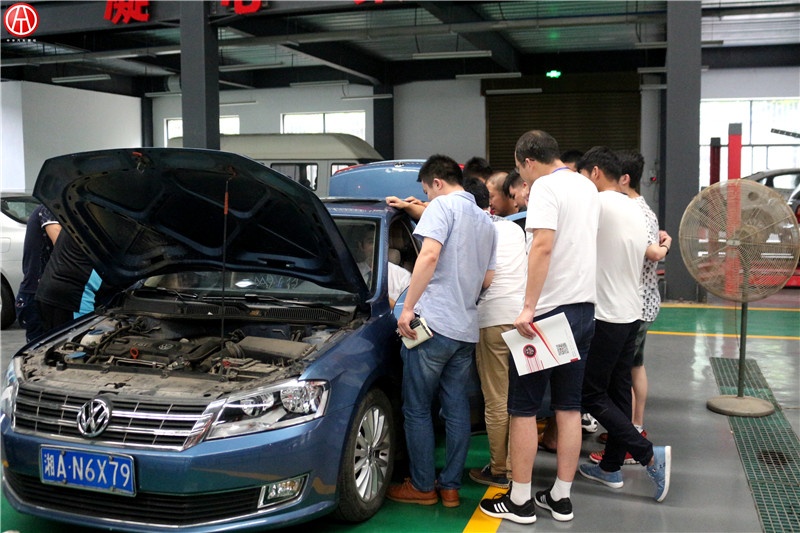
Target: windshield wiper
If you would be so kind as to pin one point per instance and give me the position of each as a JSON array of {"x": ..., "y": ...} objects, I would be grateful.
[
  {"x": 164, "y": 290},
  {"x": 262, "y": 298}
]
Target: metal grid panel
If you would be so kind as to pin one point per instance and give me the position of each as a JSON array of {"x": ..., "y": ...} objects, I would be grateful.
[{"x": 768, "y": 447}]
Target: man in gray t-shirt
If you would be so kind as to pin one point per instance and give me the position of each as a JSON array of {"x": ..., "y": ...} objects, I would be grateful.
[{"x": 456, "y": 261}]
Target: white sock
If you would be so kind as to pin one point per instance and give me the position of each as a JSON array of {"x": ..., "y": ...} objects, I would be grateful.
[
  {"x": 560, "y": 490},
  {"x": 639, "y": 428},
  {"x": 520, "y": 493}
]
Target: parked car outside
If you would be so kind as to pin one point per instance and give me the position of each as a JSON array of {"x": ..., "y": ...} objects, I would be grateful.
[
  {"x": 247, "y": 377},
  {"x": 783, "y": 180},
  {"x": 15, "y": 208}
]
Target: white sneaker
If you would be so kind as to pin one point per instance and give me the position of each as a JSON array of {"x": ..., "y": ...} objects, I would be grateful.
[{"x": 588, "y": 423}]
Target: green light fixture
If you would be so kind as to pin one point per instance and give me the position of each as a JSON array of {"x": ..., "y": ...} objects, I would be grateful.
[{"x": 554, "y": 74}]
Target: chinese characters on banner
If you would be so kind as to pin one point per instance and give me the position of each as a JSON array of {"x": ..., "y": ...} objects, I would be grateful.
[{"x": 127, "y": 10}]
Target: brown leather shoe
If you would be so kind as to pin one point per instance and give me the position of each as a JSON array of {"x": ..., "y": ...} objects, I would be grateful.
[
  {"x": 449, "y": 497},
  {"x": 406, "y": 493}
]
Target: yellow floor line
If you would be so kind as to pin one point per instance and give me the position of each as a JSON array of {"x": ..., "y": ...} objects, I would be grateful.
[
  {"x": 483, "y": 523},
  {"x": 706, "y": 306},
  {"x": 732, "y": 335}
]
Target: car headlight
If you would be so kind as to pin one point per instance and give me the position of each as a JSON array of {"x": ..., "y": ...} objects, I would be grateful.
[
  {"x": 267, "y": 408},
  {"x": 10, "y": 386}
]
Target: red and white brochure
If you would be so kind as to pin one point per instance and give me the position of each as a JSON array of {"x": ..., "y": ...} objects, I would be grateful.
[{"x": 552, "y": 345}]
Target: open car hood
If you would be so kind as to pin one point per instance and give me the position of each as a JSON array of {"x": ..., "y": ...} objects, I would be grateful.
[{"x": 146, "y": 211}]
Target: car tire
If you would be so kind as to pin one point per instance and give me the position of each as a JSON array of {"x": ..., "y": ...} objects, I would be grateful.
[
  {"x": 8, "y": 314},
  {"x": 368, "y": 460}
]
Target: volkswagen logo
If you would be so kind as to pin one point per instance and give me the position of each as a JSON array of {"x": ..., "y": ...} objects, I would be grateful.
[{"x": 93, "y": 418}]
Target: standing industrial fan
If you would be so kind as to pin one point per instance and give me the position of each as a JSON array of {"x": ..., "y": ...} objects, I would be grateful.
[{"x": 740, "y": 240}]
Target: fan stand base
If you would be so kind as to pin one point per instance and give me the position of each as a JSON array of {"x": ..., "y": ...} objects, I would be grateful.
[{"x": 740, "y": 406}]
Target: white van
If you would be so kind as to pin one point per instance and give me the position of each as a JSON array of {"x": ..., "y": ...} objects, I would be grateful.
[{"x": 309, "y": 158}]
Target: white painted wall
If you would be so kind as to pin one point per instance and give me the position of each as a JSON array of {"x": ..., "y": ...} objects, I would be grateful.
[
  {"x": 62, "y": 120},
  {"x": 751, "y": 83},
  {"x": 265, "y": 115},
  {"x": 445, "y": 117},
  {"x": 12, "y": 151}
]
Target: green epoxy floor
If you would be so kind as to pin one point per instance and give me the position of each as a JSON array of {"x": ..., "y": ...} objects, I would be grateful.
[{"x": 709, "y": 490}]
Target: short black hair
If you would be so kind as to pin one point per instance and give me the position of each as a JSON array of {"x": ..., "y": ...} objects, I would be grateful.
[
  {"x": 477, "y": 167},
  {"x": 571, "y": 156},
  {"x": 478, "y": 189},
  {"x": 537, "y": 145},
  {"x": 631, "y": 163},
  {"x": 512, "y": 180},
  {"x": 603, "y": 158},
  {"x": 441, "y": 167}
]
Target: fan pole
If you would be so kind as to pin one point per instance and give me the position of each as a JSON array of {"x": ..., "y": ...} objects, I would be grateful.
[
  {"x": 741, "y": 405},
  {"x": 742, "y": 351}
]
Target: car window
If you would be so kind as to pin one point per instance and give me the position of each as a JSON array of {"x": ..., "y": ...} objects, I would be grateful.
[
  {"x": 363, "y": 241},
  {"x": 785, "y": 183},
  {"x": 303, "y": 173},
  {"x": 19, "y": 208}
]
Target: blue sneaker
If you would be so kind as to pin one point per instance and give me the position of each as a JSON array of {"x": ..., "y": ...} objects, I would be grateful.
[
  {"x": 610, "y": 479},
  {"x": 660, "y": 470}
]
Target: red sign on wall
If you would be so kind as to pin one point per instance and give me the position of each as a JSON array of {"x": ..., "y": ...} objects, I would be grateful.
[
  {"x": 126, "y": 11},
  {"x": 242, "y": 7}
]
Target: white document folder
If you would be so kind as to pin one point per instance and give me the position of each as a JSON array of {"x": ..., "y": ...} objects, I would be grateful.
[{"x": 553, "y": 344}]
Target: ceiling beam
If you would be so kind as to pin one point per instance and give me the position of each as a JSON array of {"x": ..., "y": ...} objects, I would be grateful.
[{"x": 452, "y": 13}]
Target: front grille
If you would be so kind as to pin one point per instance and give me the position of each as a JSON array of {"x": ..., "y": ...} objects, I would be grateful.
[
  {"x": 134, "y": 422},
  {"x": 144, "y": 508}
]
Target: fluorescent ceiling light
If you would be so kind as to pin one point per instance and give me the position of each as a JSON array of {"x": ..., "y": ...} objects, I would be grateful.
[
  {"x": 654, "y": 44},
  {"x": 369, "y": 97},
  {"x": 663, "y": 44},
  {"x": 318, "y": 83},
  {"x": 489, "y": 76},
  {"x": 234, "y": 84},
  {"x": 162, "y": 93},
  {"x": 247, "y": 102},
  {"x": 452, "y": 55},
  {"x": 78, "y": 79},
  {"x": 651, "y": 70},
  {"x": 524, "y": 90},
  {"x": 249, "y": 66}
]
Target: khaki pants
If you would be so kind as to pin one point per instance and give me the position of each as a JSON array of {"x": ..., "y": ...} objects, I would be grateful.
[{"x": 491, "y": 356}]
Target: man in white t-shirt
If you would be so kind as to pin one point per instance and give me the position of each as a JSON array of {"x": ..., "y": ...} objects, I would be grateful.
[
  {"x": 498, "y": 306},
  {"x": 563, "y": 212},
  {"x": 621, "y": 245},
  {"x": 398, "y": 277}
]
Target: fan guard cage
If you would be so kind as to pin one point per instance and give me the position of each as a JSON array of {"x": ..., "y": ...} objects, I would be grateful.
[{"x": 740, "y": 240}]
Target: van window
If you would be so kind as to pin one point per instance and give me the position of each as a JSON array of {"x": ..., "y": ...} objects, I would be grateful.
[
  {"x": 336, "y": 167},
  {"x": 303, "y": 173}
]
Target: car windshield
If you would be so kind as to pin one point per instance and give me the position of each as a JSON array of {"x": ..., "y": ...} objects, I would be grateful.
[
  {"x": 251, "y": 286},
  {"x": 359, "y": 234}
]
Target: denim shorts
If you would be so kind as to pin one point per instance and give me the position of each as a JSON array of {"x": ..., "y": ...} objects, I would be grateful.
[
  {"x": 638, "y": 357},
  {"x": 525, "y": 392}
]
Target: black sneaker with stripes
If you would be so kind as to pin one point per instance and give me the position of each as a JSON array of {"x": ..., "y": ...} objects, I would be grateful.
[
  {"x": 561, "y": 509},
  {"x": 501, "y": 506}
]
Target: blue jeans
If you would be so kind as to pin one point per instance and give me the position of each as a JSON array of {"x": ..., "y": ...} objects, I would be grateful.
[{"x": 441, "y": 365}]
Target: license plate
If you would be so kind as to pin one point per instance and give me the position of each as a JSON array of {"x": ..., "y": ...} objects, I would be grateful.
[{"x": 101, "y": 472}]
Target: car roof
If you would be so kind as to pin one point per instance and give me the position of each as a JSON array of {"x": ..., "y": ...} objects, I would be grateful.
[{"x": 379, "y": 180}]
